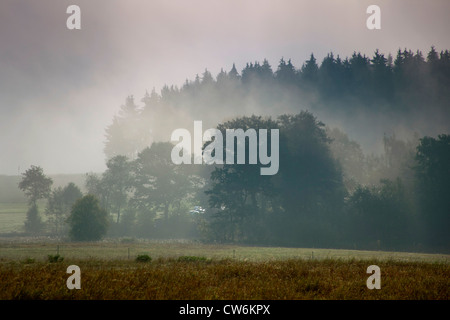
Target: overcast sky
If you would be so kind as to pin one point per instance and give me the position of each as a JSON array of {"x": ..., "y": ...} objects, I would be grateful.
[{"x": 60, "y": 88}]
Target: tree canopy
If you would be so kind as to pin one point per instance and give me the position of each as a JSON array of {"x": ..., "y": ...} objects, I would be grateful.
[
  {"x": 35, "y": 184},
  {"x": 87, "y": 220}
]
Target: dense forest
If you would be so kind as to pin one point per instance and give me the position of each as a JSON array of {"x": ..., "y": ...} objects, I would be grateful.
[
  {"x": 363, "y": 96},
  {"x": 333, "y": 189}
]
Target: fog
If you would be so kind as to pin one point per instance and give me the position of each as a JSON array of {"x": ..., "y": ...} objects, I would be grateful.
[{"x": 60, "y": 88}]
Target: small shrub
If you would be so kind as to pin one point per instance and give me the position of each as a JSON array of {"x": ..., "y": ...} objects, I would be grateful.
[
  {"x": 28, "y": 261},
  {"x": 143, "y": 258},
  {"x": 54, "y": 258},
  {"x": 313, "y": 286}
]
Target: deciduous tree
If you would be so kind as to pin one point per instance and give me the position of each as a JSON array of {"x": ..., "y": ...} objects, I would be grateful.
[{"x": 87, "y": 220}]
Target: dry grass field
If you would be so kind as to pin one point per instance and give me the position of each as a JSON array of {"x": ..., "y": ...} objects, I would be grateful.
[{"x": 178, "y": 272}]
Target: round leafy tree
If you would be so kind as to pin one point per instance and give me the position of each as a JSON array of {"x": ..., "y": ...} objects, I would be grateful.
[{"x": 87, "y": 220}]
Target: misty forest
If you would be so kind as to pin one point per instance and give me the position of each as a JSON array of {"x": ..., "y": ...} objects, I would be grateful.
[{"x": 364, "y": 160}]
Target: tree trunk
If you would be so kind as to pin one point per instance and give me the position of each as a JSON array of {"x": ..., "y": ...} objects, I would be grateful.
[
  {"x": 118, "y": 214},
  {"x": 166, "y": 212}
]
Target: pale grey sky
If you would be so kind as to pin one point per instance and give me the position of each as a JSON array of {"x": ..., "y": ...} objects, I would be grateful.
[{"x": 60, "y": 88}]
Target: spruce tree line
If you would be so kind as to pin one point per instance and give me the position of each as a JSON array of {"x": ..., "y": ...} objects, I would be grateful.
[{"x": 409, "y": 89}]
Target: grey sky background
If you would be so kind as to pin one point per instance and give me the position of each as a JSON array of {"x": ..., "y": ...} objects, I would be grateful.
[{"x": 60, "y": 88}]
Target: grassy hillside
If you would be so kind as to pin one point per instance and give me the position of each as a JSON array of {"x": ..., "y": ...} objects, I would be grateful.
[
  {"x": 16, "y": 250},
  {"x": 12, "y": 217}
]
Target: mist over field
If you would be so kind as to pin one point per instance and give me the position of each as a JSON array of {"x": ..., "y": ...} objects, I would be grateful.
[
  {"x": 60, "y": 88},
  {"x": 363, "y": 117}
]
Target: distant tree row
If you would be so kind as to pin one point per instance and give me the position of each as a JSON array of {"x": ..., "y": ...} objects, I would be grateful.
[
  {"x": 327, "y": 193},
  {"x": 311, "y": 202}
]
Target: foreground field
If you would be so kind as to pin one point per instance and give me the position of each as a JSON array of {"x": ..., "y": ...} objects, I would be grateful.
[
  {"x": 225, "y": 279},
  {"x": 195, "y": 271}
]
